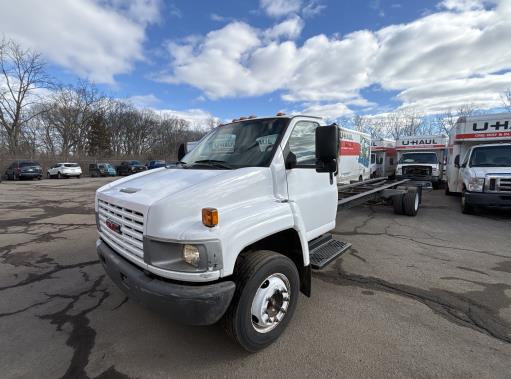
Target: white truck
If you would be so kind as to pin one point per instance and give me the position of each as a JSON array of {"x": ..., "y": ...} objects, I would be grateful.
[
  {"x": 354, "y": 156},
  {"x": 422, "y": 159},
  {"x": 479, "y": 164},
  {"x": 383, "y": 158},
  {"x": 232, "y": 232}
]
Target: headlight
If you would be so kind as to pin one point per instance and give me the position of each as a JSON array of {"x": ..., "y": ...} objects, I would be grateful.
[
  {"x": 398, "y": 171},
  {"x": 191, "y": 255},
  {"x": 475, "y": 184},
  {"x": 175, "y": 256}
]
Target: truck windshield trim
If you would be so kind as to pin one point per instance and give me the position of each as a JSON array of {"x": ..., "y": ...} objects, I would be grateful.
[
  {"x": 491, "y": 156},
  {"x": 249, "y": 143},
  {"x": 419, "y": 158}
]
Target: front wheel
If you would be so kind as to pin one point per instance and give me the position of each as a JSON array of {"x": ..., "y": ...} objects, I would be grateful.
[
  {"x": 466, "y": 207},
  {"x": 267, "y": 287},
  {"x": 59, "y": 175}
]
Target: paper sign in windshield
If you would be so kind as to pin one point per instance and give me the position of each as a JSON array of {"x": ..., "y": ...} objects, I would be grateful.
[
  {"x": 223, "y": 144},
  {"x": 265, "y": 142}
]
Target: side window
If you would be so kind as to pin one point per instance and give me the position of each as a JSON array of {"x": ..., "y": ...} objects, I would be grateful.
[{"x": 302, "y": 143}]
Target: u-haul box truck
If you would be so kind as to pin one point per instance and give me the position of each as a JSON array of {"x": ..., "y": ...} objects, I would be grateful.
[
  {"x": 479, "y": 165},
  {"x": 354, "y": 156},
  {"x": 421, "y": 158},
  {"x": 383, "y": 158}
]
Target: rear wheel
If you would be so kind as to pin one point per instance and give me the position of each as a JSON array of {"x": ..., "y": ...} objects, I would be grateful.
[
  {"x": 267, "y": 286},
  {"x": 411, "y": 201},
  {"x": 466, "y": 207}
]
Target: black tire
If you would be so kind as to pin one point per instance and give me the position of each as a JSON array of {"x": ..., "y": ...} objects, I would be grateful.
[
  {"x": 251, "y": 273},
  {"x": 411, "y": 201},
  {"x": 397, "y": 203},
  {"x": 48, "y": 176},
  {"x": 59, "y": 176},
  {"x": 360, "y": 178},
  {"x": 15, "y": 177},
  {"x": 78, "y": 177},
  {"x": 436, "y": 185},
  {"x": 466, "y": 207}
]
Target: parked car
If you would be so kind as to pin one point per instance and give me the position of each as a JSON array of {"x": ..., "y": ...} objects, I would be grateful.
[
  {"x": 64, "y": 170},
  {"x": 24, "y": 170},
  {"x": 101, "y": 169},
  {"x": 130, "y": 167},
  {"x": 155, "y": 164}
]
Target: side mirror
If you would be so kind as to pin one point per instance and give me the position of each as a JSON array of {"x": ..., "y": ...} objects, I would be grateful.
[
  {"x": 290, "y": 161},
  {"x": 327, "y": 148},
  {"x": 457, "y": 161},
  {"x": 181, "y": 151}
]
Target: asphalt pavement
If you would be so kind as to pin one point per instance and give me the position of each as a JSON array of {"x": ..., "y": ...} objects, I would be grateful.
[{"x": 428, "y": 296}]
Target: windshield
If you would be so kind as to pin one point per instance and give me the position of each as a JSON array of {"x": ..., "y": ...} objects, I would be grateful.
[
  {"x": 240, "y": 144},
  {"x": 26, "y": 164},
  {"x": 426, "y": 158},
  {"x": 135, "y": 163},
  {"x": 491, "y": 156}
]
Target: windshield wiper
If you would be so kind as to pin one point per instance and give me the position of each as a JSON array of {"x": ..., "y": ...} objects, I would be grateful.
[{"x": 214, "y": 163}]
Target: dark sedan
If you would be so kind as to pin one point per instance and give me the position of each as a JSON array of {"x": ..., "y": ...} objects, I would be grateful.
[
  {"x": 24, "y": 170},
  {"x": 130, "y": 167}
]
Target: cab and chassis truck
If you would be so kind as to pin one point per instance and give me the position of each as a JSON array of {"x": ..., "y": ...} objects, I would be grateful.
[{"x": 232, "y": 233}]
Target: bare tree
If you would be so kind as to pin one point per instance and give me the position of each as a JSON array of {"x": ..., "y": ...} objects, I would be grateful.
[
  {"x": 22, "y": 75},
  {"x": 70, "y": 113},
  {"x": 506, "y": 100},
  {"x": 445, "y": 122}
]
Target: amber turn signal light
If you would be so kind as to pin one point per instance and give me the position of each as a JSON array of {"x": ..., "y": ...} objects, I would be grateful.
[{"x": 210, "y": 217}]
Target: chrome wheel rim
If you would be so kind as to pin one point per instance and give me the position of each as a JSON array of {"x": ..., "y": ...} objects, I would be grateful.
[{"x": 270, "y": 303}]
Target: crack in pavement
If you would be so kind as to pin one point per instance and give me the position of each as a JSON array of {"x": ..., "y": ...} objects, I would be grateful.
[{"x": 460, "y": 309}]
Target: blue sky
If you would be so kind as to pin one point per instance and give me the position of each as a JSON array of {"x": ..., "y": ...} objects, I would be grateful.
[{"x": 231, "y": 58}]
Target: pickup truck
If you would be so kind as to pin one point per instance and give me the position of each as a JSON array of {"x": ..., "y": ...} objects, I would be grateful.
[{"x": 232, "y": 232}]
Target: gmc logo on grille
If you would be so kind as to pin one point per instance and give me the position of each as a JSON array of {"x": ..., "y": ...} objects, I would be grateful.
[{"x": 113, "y": 226}]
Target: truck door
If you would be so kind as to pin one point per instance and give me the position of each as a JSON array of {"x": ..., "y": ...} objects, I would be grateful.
[{"x": 314, "y": 196}]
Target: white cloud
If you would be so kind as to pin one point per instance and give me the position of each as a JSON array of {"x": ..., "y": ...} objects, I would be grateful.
[
  {"x": 332, "y": 111},
  {"x": 313, "y": 8},
  {"x": 94, "y": 39},
  {"x": 462, "y": 5},
  {"x": 144, "y": 101},
  {"x": 279, "y": 8},
  {"x": 450, "y": 57},
  {"x": 290, "y": 28},
  {"x": 196, "y": 117}
]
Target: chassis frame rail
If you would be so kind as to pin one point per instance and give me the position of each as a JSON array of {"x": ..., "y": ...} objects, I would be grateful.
[{"x": 352, "y": 195}]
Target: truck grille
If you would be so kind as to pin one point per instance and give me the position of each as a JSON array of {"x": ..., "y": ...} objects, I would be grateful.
[
  {"x": 128, "y": 240},
  {"x": 417, "y": 171},
  {"x": 504, "y": 185}
]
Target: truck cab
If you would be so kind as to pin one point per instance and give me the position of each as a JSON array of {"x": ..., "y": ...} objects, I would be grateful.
[
  {"x": 479, "y": 165},
  {"x": 421, "y": 159},
  {"x": 226, "y": 234}
]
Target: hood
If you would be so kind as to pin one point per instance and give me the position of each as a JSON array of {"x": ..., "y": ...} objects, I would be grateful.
[
  {"x": 481, "y": 172},
  {"x": 150, "y": 186},
  {"x": 418, "y": 164}
]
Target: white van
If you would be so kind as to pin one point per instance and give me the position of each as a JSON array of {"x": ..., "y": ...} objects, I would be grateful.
[
  {"x": 479, "y": 165},
  {"x": 354, "y": 156},
  {"x": 383, "y": 158},
  {"x": 421, "y": 158}
]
